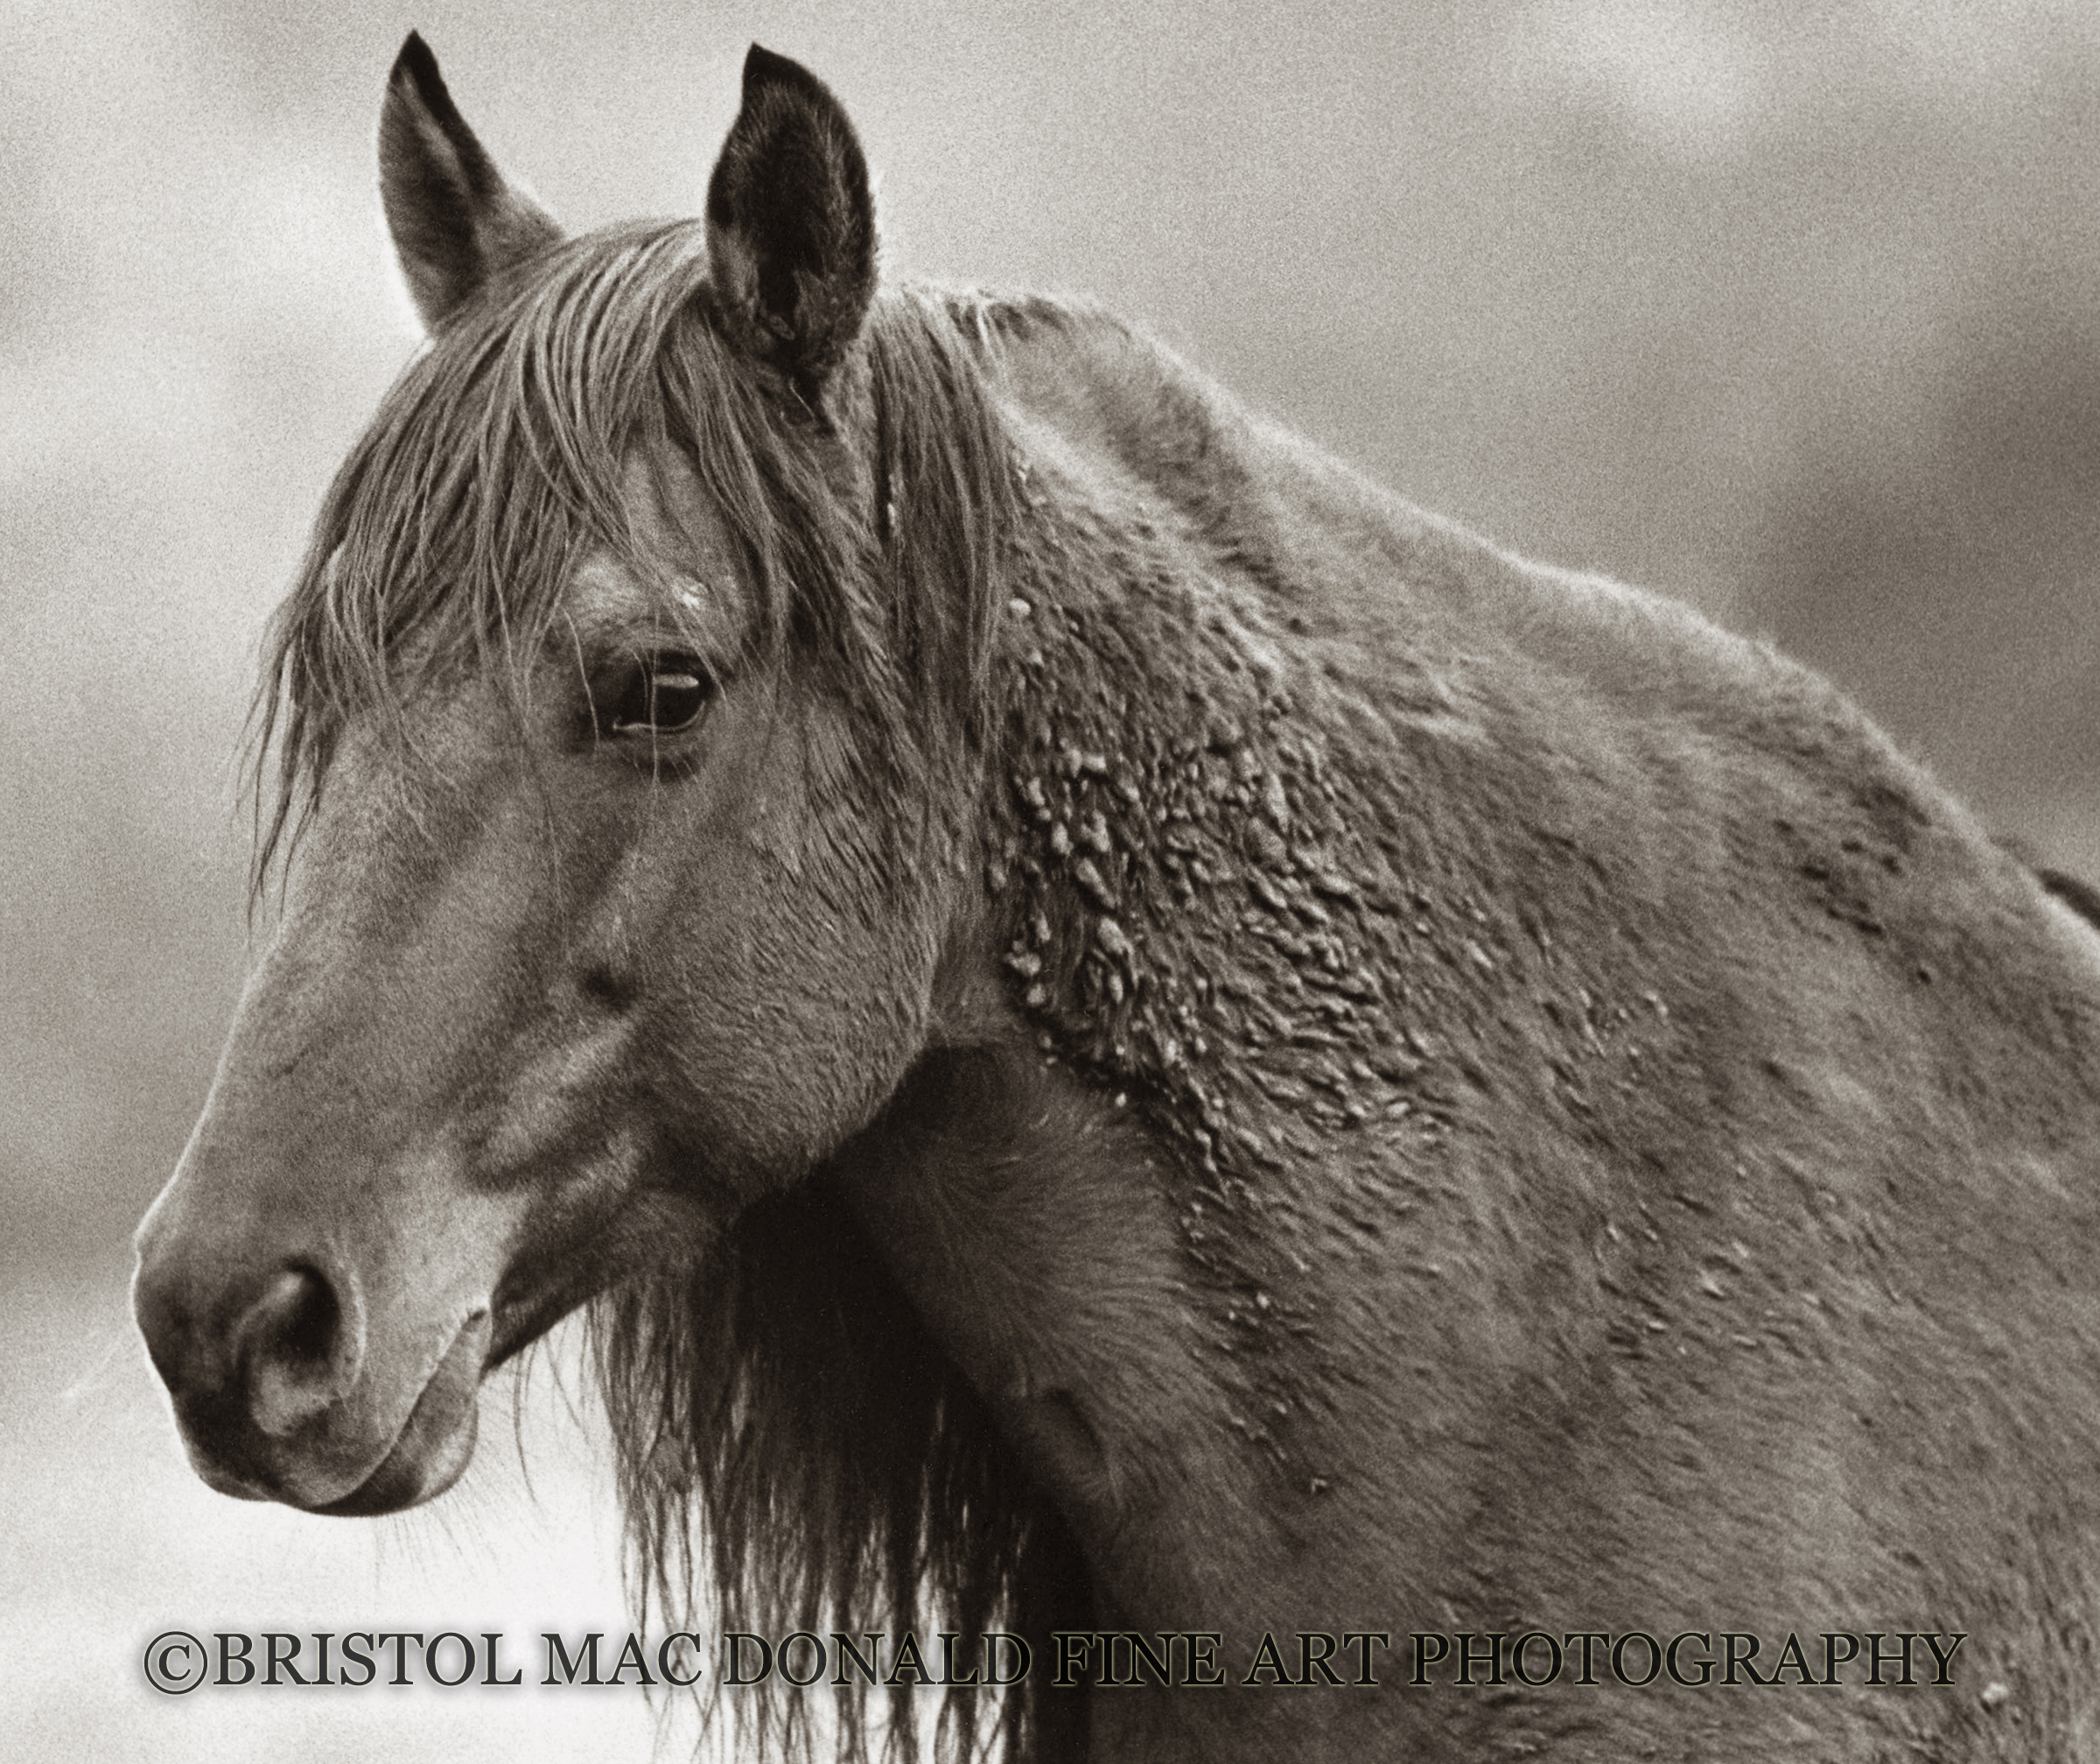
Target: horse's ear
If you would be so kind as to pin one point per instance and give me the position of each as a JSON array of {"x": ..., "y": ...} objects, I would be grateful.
[
  {"x": 455, "y": 222},
  {"x": 791, "y": 223}
]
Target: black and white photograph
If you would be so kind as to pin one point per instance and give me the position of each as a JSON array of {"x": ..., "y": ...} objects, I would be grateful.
[{"x": 1050, "y": 882}]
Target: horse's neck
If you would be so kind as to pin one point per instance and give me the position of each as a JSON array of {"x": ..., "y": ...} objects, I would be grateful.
[
  {"x": 1025, "y": 1216},
  {"x": 1063, "y": 1188},
  {"x": 1371, "y": 927}
]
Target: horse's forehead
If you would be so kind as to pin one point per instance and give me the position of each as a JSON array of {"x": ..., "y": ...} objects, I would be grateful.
[{"x": 701, "y": 589}]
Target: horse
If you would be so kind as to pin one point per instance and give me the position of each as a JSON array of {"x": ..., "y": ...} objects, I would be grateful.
[{"x": 1131, "y": 1044}]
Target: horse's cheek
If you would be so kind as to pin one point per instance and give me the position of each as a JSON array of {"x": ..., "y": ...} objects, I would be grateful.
[{"x": 801, "y": 993}]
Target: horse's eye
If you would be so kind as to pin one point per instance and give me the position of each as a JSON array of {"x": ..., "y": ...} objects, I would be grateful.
[{"x": 664, "y": 693}]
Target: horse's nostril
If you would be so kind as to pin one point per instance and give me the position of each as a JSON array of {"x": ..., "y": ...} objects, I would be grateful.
[
  {"x": 308, "y": 1317},
  {"x": 298, "y": 1351}
]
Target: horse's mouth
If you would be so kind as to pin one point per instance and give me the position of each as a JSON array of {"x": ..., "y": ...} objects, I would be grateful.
[
  {"x": 436, "y": 1441},
  {"x": 541, "y": 1288},
  {"x": 524, "y": 1320}
]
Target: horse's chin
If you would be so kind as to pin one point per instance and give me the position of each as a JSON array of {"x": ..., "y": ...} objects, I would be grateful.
[{"x": 436, "y": 1442}]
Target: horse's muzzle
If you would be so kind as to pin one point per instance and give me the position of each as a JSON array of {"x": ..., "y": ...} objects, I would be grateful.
[{"x": 277, "y": 1395}]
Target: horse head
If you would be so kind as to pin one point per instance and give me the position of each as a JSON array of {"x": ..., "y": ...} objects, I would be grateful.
[{"x": 597, "y": 921}]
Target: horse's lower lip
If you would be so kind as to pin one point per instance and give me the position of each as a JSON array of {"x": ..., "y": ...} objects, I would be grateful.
[{"x": 436, "y": 1441}]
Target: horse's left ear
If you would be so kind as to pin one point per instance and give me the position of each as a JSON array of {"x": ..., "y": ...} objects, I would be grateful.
[{"x": 791, "y": 223}]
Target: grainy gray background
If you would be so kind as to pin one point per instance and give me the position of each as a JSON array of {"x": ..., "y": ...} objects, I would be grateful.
[{"x": 1790, "y": 310}]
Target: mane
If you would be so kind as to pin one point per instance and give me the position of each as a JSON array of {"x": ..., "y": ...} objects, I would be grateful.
[
  {"x": 779, "y": 1399},
  {"x": 785, "y": 1429},
  {"x": 495, "y": 463}
]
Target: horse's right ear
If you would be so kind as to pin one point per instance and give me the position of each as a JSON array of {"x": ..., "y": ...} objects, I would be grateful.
[
  {"x": 455, "y": 222},
  {"x": 791, "y": 224}
]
